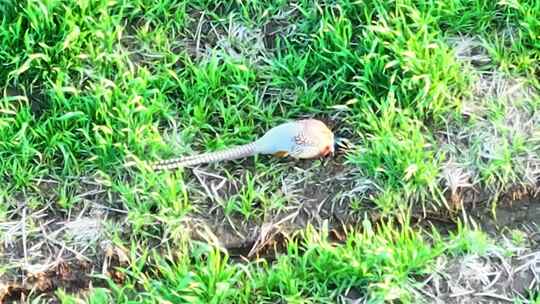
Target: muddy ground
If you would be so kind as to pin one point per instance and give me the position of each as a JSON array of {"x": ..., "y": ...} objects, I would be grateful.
[
  {"x": 498, "y": 276},
  {"x": 70, "y": 248}
]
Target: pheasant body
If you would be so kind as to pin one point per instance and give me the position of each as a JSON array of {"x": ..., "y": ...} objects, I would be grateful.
[{"x": 301, "y": 139}]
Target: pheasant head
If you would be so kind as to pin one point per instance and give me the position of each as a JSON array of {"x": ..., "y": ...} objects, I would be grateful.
[{"x": 317, "y": 134}]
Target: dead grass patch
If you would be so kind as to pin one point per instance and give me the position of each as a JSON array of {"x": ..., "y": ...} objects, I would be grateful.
[
  {"x": 46, "y": 249},
  {"x": 495, "y": 144},
  {"x": 495, "y": 277}
]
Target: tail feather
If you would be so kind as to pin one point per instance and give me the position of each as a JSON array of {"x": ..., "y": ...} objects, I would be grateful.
[{"x": 228, "y": 154}]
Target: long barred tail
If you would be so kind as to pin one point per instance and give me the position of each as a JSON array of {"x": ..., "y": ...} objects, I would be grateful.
[{"x": 228, "y": 154}]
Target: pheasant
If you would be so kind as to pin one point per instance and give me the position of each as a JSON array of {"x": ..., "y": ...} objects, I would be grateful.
[{"x": 300, "y": 139}]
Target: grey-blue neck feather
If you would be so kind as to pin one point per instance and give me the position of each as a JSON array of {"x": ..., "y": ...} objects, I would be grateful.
[{"x": 278, "y": 139}]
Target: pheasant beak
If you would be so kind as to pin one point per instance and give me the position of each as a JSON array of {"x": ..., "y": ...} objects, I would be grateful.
[{"x": 327, "y": 151}]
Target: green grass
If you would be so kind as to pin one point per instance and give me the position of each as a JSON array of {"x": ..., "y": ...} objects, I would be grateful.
[
  {"x": 313, "y": 270},
  {"x": 379, "y": 264},
  {"x": 88, "y": 86}
]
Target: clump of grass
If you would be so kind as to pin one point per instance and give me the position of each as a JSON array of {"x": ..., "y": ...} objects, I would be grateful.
[
  {"x": 155, "y": 202},
  {"x": 510, "y": 29},
  {"x": 91, "y": 105},
  {"x": 396, "y": 151},
  {"x": 376, "y": 264},
  {"x": 339, "y": 61}
]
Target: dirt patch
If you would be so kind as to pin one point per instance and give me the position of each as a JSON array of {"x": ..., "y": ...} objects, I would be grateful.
[
  {"x": 73, "y": 276},
  {"x": 506, "y": 271},
  {"x": 490, "y": 278},
  {"x": 205, "y": 37},
  {"x": 498, "y": 113},
  {"x": 312, "y": 192},
  {"x": 315, "y": 192},
  {"x": 519, "y": 210},
  {"x": 46, "y": 249},
  {"x": 36, "y": 99}
]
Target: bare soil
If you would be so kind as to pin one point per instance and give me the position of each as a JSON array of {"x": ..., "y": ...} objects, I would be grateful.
[
  {"x": 50, "y": 249},
  {"x": 324, "y": 193}
]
